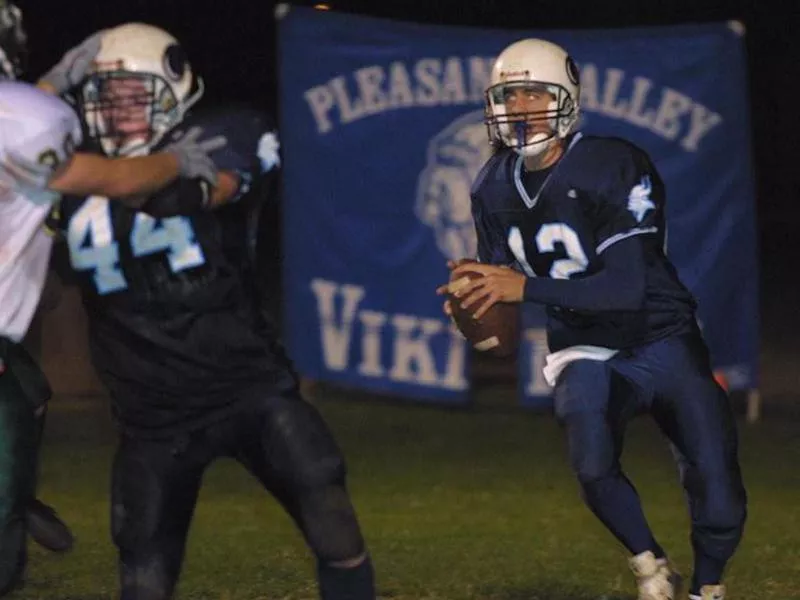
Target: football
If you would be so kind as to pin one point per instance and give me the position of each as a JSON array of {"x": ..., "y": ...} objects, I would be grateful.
[{"x": 497, "y": 332}]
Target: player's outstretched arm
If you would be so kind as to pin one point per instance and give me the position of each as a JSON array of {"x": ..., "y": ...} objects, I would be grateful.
[
  {"x": 123, "y": 178},
  {"x": 132, "y": 180}
]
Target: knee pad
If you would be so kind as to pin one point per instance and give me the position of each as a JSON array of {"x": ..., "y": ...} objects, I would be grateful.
[
  {"x": 717, "y": 498},
  {"x": 134, "y": 492},
  {"x": 722, "y": 509},
  {"x": 329, "y": 524},
  {"x": 716, "y": 538}
]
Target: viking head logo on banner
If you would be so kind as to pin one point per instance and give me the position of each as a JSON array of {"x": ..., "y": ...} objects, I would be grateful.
[{"x": 455, "y": 155}]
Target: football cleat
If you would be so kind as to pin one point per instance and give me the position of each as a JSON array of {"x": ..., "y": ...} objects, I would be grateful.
[
  {"x": 710, "y": 592},
  {"x": 47, "y": 529},
  {"x": 655, "y": 577}
]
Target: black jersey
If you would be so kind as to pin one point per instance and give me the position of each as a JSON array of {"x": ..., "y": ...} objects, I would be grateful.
[
  {"x": 173, "y": 331},
  {"x": 559, "y": 221}
]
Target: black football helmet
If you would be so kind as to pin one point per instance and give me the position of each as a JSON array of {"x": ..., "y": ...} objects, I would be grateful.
[{"x": 13, "y": 41}]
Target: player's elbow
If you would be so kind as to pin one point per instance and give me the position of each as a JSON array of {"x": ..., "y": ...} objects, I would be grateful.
[{"x": 230, "y": 187}]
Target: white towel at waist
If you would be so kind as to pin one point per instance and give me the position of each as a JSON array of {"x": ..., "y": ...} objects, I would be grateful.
[{"x": 558, "y": 361}]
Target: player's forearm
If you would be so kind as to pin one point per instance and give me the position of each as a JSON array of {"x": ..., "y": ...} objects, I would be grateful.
[
  {"x": 88, "y": 174},
  {"x": 620, "y": 285},
  {"x": 596, "y": 293},
  {"x": 140, "y": 176},
  {"x": 188, "y": 196}
]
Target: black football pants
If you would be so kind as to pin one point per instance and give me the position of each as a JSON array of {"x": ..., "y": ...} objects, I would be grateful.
[
  {"x": 281, "y": 440},
  {"x": 23, "y": 390}
]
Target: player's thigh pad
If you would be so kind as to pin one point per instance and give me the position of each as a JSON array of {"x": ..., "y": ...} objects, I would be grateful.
[
  {"x": 298, "y": 446},
  {"x": 583, "y": 387},
  {"x": 594, "y": 403}
]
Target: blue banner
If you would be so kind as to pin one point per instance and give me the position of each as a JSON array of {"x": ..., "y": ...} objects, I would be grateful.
[{"x": 383, "y": 134}]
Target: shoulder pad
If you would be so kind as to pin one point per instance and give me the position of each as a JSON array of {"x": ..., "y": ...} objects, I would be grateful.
[
  {"x": 499, "y": 168},
  {"x": 599, "y": 150}
]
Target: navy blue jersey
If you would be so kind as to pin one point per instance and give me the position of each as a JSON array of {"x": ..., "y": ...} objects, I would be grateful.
[
  {"x": 558, "y": 223},
  {"x": 172, "y": 326}
]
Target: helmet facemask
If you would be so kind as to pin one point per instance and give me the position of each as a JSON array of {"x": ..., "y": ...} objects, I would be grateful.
[
  {"x": 127, "y": 112},
  {"x": 529, "y": 132}
]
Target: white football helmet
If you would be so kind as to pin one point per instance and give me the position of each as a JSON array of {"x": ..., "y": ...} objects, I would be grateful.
[
  {"x": 140, "y": 87},
  {"x": 538, "y": 64}
]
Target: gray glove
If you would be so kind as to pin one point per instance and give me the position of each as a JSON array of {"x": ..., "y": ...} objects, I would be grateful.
[
  {"x": 74, "y": 65},
  {"x": 193, "y": 159}
]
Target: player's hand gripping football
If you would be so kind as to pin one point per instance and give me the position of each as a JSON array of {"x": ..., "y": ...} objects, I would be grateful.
[{"x": 498, "y": 284}]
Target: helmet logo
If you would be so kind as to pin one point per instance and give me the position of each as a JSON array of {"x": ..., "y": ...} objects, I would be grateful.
[
  {"x": 166, "y": 100},
  {"x": 506, "y": 75}
]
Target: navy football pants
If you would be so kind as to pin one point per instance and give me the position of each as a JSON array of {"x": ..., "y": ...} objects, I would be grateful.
[{"x": 671, "y": 379}]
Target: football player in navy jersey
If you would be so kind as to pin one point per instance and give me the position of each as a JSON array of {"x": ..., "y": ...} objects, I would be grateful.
[
  {"x": 195, "y": 370},
  {"x": 577, "y": 223}
]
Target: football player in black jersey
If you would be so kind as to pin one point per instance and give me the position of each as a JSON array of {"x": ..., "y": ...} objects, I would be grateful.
[
  {"x": 195, "y": 370},
  {"x": 577, "y": 223}
]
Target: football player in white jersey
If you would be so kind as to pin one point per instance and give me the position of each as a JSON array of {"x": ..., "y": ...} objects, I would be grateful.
[{"x": 38, "y": 136}]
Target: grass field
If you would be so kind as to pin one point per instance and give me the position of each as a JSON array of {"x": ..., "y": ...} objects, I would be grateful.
[{"x": 455, "y": 504}]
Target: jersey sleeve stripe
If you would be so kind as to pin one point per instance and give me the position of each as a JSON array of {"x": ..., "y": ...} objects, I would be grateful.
[{"x": 621, "y": 236}]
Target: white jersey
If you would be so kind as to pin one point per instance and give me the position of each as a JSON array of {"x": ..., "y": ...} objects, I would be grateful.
[{"x": 38, "y": 132}]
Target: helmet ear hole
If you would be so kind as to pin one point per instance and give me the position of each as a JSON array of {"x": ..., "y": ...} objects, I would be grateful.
[
  {"x": 175, "y": 62},
  {"x": 572, "y": 72}
]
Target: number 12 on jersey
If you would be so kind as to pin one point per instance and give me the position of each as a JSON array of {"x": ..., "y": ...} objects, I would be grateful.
[
  {"x": 546, "y": 238},
  {"x": 92, "y": 247}
]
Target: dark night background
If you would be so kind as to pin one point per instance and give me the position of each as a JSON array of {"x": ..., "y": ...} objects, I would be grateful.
[{"x": 232, "y": 44}]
